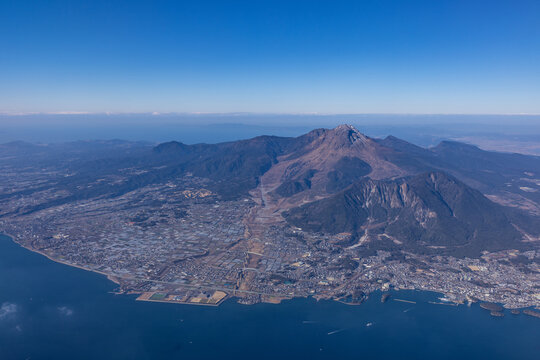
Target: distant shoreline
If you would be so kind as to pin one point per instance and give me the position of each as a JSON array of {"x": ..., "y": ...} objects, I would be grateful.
[{"x": 108, "y": 276}]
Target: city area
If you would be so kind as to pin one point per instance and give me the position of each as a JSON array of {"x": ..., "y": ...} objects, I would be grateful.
[{"x": 179, "y": 242}]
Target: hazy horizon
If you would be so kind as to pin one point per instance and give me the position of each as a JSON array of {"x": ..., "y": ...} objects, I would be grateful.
[{"x": 514, "y": 133}]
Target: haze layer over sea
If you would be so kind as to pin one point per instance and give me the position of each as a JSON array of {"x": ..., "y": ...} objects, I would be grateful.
[{"x": 515, "y": 133}]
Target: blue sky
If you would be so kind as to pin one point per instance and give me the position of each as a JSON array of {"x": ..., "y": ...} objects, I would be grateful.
[{"x": 270, "y": 56}]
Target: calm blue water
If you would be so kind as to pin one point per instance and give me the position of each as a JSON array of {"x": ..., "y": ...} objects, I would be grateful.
[{"x": 53, "y": 311}]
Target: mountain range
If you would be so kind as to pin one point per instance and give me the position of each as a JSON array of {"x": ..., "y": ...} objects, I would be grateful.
[{"x": 453, "y": 198}]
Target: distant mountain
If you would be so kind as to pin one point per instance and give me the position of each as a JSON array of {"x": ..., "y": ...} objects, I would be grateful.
[
  {"x": 325, "y": 161},
  {"x": 235, "y": 167},
  {"x": 384, "y": 192},
  {"x": 490, "y": 172}
]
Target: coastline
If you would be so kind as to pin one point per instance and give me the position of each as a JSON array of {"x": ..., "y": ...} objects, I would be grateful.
[
  {"x": 108, "y": 276},
  {"x": 272, "y": 300},
  {"x": 294, "y": 325}
]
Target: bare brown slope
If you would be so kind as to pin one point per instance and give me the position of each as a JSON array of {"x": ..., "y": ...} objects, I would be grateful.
[{"x": 329, "y": 161}]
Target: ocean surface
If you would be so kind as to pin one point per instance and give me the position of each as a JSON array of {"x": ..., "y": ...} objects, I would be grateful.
[{"x": 53, "y": 311}]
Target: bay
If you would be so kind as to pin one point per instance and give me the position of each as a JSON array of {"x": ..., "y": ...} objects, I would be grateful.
[{"x": 53, "y": 311}]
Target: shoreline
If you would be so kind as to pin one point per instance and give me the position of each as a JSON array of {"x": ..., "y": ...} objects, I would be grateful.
[
  {"x": 108, "y": 276},
  {"x": 114, "y": 279},
  {"x": 141, "y": 298}
]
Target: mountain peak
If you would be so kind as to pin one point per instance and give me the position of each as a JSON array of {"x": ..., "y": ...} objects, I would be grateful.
[
  {"x": 171, "y": 147},
  {"x": 348, "y": 133},
  {"x": 345, "y": 127}
]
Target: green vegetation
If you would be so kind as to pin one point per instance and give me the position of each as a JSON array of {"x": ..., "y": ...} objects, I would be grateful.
[{"x": 158, "y": 296}]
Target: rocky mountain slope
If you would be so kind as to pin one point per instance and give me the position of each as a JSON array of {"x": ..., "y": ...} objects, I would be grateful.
[
  {"x": 428, "y": 213},
  {"x": 453, "y": 198}
]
